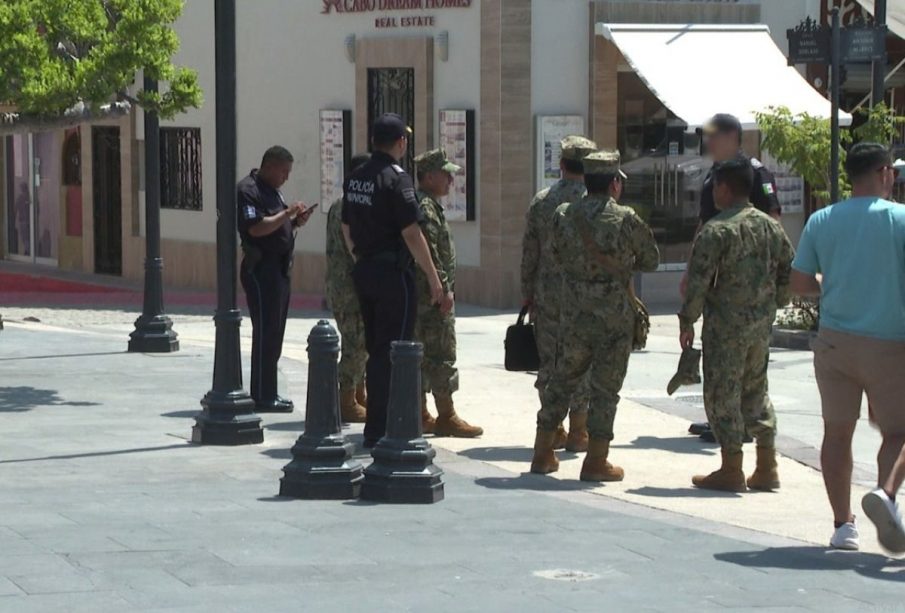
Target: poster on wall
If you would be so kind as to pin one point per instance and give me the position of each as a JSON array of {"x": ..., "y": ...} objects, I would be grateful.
[
  {"x": 551, "y": 129},
  {"x": 336, "y": 152},
  {"x": 457, "y": 139}
]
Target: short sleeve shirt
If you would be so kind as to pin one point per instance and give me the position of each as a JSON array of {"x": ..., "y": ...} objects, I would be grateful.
[
  {"x": 858, "y": 245},
  {"x": 763, "y": 193},
  {"x": 257, "y": 200},
  {"x": 379, "y": 201}
]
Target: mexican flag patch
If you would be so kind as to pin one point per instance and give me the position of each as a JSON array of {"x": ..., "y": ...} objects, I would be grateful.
[{"x": 768, "y": 189}]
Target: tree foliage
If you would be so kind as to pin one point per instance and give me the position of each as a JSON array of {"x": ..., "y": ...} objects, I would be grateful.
[
  {"x": 56, "y": 54},
  {"x": 802, "y": 142}
]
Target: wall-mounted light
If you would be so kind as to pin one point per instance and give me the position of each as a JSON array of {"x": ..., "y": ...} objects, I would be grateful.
[
  {"x": 443, "y": 45},
  {"x": 350, "y": 48}
]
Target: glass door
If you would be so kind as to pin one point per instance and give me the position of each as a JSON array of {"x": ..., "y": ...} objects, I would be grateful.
[{"x": 33, "y": 166}]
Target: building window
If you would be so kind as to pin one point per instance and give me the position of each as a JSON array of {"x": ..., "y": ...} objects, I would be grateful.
[{"x": 180, "y": 168}]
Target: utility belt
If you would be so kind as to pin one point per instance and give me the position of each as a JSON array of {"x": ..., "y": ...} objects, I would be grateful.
[
  {"x": 402, "y": 259},
  {"x": 255, "y": 255}
]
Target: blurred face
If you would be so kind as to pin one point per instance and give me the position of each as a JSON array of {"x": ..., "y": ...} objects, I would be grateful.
[
  {"x": 275, "y": 174},
  {"x": 721, "y": 145},
  {"x": 616, "y": 188},
  {"x": 437, "y": 183}
]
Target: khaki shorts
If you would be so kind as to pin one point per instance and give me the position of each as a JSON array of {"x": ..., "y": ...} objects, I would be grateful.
[{"x": 848, "y": 365}]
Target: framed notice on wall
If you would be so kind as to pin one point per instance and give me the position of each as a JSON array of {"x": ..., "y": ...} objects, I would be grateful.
[
  {"x": 551, "y": 129},
  {"x": 336, "y": 153},
  {"x": 457, "y": 138}
]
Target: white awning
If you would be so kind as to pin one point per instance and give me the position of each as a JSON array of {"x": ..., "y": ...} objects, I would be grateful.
[
  {"x": 699, "y": 70},
  {"x": 895, "y": 15}
]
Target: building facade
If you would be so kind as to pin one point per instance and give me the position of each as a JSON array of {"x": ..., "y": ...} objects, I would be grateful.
[{"x": 493, "y": 81}]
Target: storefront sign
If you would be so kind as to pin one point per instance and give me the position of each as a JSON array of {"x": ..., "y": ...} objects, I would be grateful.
[
  {"x": 373, "y": 6},
  {"x": 457, "y": 139},
  {"x": 809, "y": 43},
  {"x": 551, "y": 129},
  {"x": 863, "y": 44},
  {"x": 336, "y": 151}
]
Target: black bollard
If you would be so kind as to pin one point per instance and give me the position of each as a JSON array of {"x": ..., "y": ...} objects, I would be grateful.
[
  {"x": 321, "y": 466},
  {"x": 403, "y": 470}
]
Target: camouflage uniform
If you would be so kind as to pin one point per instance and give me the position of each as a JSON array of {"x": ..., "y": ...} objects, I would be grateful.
[
  {"x": 597, "y": 328},
  {"x": 436, "y": 330},
  {"x": 737, "y": 277},
  {"x": 344, "y": 302},
  {"x": 541, "y": 278}
]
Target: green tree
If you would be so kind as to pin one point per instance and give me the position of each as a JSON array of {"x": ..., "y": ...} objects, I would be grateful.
[
  {"x": 60, "y": 55},
  {"x": 802, "y": 142}
]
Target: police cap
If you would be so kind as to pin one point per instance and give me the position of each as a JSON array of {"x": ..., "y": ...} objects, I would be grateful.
[
  {"x": 576, "y": 147},
  {"x": 388, "y": 128},
  {"x": 603, "y": 162}
]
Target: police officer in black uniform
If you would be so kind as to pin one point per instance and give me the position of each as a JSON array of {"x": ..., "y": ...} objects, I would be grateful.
[
  {"x": 267, "y": 228},
  {"x": 723, "y": 140},
  {"x": 381, "y": 219}
]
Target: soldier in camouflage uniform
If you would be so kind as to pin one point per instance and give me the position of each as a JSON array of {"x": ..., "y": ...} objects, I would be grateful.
[
  {"x": 344, "y": 302},
  {"x": 436, "y": 330},
  {"x": 737, "y": 277},
  {"x": 542, "y": 280},
  {"x": 599, "y": 245}
]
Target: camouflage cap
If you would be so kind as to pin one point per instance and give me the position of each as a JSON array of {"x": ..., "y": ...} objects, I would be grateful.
[
  {"x": 603, "y": 162},
  {"x": 435, "y": 159},
  {"x": 576, "y": 147}
]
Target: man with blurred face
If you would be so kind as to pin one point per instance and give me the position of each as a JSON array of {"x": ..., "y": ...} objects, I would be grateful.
[
  {"x": 266, "y": 226},
  {"x": 434, "y": 328}
]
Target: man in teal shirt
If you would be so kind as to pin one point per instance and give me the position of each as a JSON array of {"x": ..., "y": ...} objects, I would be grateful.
[{"x": 852, "y": 255}]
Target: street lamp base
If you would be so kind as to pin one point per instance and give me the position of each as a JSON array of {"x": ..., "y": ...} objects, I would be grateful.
[
  {"x": 153, "y": 335},
  {"x": 228, "y": 419},
  {"x": 403, "y": 472},
  {"x": 322, "y": 468}
]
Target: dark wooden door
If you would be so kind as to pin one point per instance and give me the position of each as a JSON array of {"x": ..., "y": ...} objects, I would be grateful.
[
  {"x": 392, "y": 90},
  {"x": 108, "y": 205}
]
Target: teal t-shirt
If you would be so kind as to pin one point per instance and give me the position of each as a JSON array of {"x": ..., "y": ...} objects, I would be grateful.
[{"x": 858, "y": 245}]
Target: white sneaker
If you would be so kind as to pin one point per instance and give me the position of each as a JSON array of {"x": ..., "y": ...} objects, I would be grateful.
[
  {"x": 886, "y": 517},
  {"x": 846, "y": 537}
]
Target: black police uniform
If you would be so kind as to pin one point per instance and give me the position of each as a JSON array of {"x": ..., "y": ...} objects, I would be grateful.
[
  {"x": 378, "y": 203},
  {"x": 265, "y": 278},
  {"x": 763, "y": 193}
]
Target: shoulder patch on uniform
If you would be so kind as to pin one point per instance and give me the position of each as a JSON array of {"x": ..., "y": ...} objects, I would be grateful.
[
  {"x": 398, "y": 168},
  {"x": 250, "y": 212},
  {"x": 756, "y": 163},
  {"x": 768, "y": 189}
]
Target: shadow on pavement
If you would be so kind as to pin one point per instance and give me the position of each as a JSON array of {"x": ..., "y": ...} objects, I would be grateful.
[
  {"x": 279, "y": 454},
  {"x": 681, "y": 492},
  {"x": 287, "y": 426},
  {"x": 25, "y": 398},
  {"x": 507, "y": 454},
  {"x": 678, "y": 444},
  {"x": 63, "y": 355},
  {"x": 185, "y": 414},
  {"x": 869, "y": 565},
  {"x": 530, "y": 481},
  {"x": 98, "y": 454}
]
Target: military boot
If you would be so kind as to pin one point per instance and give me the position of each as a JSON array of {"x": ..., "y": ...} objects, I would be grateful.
[
  {"x": 596, "y": 467},
  {"x": 577, "y": 440},
  {"x": 450, "y": 424},
  {"x": 559, "y": 441},
  {"x": 765, "y": 477},
  {"x": 361, "y": 394},
  {"x": 428, "y": 423},
  {"x": 349, "y": 410},
  {"x": 729, "y": 478},
  {"x": 544, "y": 461}
]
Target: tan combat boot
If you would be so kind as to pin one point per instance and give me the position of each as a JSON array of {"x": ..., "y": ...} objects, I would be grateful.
[
  {"x": 596, "y": 467},
  {"x": 578, "y": 432},
  {"x": 349, "y": 410},
  {"x": 729, "y": 478},
  {"x": 559, "y": 441},
  {"x": 361, "y": 395},
  {"x": 428, "y": 423},
  {"x": 765, "y": 477},
  {"x": 450, "y": 424},
  {"x": 544, "y": 461}
]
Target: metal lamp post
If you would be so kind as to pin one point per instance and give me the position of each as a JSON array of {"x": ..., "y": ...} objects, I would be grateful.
[
  {"x": 153, "y": 329},
  {"x": 878, "y": 91},
  {"x": 228, "y": 416}
]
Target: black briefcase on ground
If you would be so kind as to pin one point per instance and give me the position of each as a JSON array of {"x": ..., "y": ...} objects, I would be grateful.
[{"x": 521, "y": 346}]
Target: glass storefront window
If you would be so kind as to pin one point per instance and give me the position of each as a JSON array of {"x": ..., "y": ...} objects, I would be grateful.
[{"x": 18, "y": 196}]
